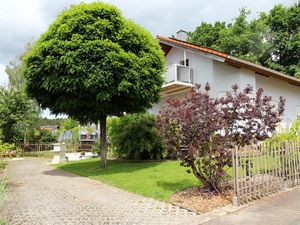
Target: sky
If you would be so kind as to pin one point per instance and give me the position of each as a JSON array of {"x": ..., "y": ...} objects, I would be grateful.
[{"x": 25, "y": 20}]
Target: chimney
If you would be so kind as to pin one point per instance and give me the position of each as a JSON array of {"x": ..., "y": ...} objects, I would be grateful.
[{"x": 181, "y": 35}]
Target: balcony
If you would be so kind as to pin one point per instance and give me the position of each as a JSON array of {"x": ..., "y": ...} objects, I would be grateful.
[{"x": 178, "y": 78}]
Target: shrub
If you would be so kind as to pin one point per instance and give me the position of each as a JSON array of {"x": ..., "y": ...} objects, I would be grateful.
[
  {"x": 97, "y": 147},
  {"x": 4, "y": 147},
  {"x": 47, "y": 136},
  {"x": 134, "y": 136},
  {"x": 201, "y": 130},
  {"x": 284, "y": 135}
]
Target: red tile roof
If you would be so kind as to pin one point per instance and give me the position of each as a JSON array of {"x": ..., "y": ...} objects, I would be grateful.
[
  {"x": 193, "y": 46},
  {"x": 231, "y": 60}
]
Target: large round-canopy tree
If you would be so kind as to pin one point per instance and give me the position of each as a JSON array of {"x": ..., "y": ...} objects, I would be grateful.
[{"x": 91, "y": 63}]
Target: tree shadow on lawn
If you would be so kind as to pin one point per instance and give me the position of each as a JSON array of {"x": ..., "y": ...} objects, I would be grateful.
[
  {"x": 179, "y": 185},
  {"x": 88, "y": 168}
]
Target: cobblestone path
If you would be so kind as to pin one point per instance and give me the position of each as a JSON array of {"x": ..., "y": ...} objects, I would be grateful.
[{"x": 40, "y": 194}]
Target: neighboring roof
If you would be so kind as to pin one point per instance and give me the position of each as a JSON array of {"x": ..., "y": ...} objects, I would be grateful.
[
  {"x": 168, "y": 43},
  {"x": 49, "y": 127}
]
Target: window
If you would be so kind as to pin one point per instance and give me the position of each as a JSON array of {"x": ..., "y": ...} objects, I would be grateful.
[{"x": 186, "y": 62}]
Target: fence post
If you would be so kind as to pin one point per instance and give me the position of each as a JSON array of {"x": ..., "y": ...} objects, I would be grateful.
[{"x": 235, "y": 198}]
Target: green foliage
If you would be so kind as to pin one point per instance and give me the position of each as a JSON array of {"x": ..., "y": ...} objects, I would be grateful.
[
  {"x": 4, "y": 147},
  {"x": 16, "y": 113},
  {"x": 207, "y": 34},
  {"x": 75, "y": 131},
  {"x": 134, "y": 136},
  {"x": 31, "y": 110},
  {"x": 47, "y": 136},
  {"x": 69, "y": 124},
  {"x": 92, "y": 62},
  {"x": 295, "y": 129},
  {"x": 272, "y": 40},
  {"x": 97, "y": 147},
  {"x": 291, "y": 134},
  {"x": 47, "y": 121}
]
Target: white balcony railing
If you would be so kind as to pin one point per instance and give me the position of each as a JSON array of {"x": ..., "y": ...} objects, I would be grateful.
[{"x": 179, "y": 73}]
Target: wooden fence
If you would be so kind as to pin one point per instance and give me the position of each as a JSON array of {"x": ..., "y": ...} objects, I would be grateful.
[
  {"x": 34, "y": 147},
  {"x": 264, "y": 169},
  {"x": 37, "y": 147}
]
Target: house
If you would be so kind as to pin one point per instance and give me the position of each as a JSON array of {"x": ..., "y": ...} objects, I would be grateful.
[
  {"x": 188, "y": 64},
  {"x": 51, "y": 128},
  {"x": 85, "y": 136}
]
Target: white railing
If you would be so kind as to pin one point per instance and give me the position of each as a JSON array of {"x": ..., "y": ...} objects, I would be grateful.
[{"x": 179, "y": 73}]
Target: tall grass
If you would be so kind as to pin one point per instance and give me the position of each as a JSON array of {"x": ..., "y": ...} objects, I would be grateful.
[{"x": 3, "y": 191}]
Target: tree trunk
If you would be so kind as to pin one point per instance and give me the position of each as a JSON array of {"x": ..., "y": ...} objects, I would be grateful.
[{"x": 103, "y": 162}]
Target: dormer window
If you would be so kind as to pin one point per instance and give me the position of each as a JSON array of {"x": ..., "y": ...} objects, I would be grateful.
[{"x": 185, "y": 62}]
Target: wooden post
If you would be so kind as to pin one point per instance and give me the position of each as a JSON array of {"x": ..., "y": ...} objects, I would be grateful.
[
  {"x": 294, "y": 171},
  {"x": 235, "y": 198},
  {"x": 297, "y": 163},
  {"x": 289, "y": 169},
  {"x": 261, "y": 171}
]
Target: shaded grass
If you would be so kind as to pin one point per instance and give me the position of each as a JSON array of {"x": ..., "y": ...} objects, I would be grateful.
[{"x": 157, "y": 180}]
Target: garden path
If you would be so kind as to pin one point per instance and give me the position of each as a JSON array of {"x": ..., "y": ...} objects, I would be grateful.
[{"x": 40, "y": 194}]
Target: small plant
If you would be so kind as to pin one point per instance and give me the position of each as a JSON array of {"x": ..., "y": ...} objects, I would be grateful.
[
  {"x": 2, "y": 165},
  {"x": 97, "y": 147}
]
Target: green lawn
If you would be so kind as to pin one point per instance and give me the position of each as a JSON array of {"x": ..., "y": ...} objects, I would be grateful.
[
  {"x": 43, "y": 154},
  {"x": 157, "y": 180}
]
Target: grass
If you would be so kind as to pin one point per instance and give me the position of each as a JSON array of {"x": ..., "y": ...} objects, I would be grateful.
[
  {"x": 2, "y": 165},
  {"x": 3, "y": 191},
  {"x": 3, "y": 183},
  {"x": 43, "y": 154},
  {"x": 5, "y": 222},
  {"x": 157, "y": 180}
]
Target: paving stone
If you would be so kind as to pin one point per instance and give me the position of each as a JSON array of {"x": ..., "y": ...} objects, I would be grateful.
[{"x": 40, "y": 194}]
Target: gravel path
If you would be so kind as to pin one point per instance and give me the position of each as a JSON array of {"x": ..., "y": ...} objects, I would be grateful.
[{"x": 40, "y": 194}]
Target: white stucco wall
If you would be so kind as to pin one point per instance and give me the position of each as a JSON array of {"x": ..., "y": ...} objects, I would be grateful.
[
  {"x": 174, "y": 56},
  {"x": 277, "y": 88},
  {"x": 222, "y": 76},
  {"x": 162, "y": 102},
  {"x": 202, "y": 68}
]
